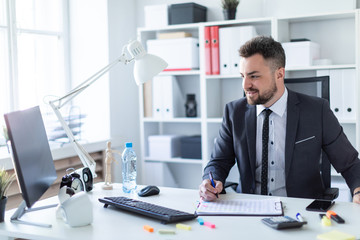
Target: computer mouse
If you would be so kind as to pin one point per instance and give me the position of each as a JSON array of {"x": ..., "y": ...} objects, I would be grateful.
[{"x": 149, "y": 191}]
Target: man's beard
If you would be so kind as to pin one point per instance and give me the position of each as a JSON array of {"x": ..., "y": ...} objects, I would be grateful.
[{"x": 263, "y": 98}]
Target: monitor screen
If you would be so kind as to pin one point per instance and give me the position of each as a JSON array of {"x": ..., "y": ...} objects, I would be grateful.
[
  {"x": 314, "y": 86},
  {"x": 31, "y": 153}
]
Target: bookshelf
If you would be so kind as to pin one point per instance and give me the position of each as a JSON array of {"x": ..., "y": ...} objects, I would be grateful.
[{"x": 215, "y": 91}]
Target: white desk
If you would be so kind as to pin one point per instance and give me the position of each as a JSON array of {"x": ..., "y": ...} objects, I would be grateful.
[{"x": 115, "y": 224}]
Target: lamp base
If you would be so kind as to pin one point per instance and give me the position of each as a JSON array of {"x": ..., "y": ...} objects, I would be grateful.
[{"x": 107, "y": 187}]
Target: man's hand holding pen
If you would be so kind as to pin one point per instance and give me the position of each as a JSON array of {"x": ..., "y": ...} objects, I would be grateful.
[{"x": 208, "y": 192}]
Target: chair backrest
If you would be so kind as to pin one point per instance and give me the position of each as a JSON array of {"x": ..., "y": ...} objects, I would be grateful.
[{"x": 314, "y": 86}]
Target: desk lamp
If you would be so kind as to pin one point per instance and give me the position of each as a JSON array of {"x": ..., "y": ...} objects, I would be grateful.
[{"x": 145, "y": 68}]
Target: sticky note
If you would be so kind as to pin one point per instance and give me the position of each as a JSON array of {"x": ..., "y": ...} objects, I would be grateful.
[
  {"x": 325, "y": 221},
  {"x": 335, "y": 235},
  {"x": 201, "y": 221},
  {"x": 209, "y": 224},
  {"x": 166, "y": 231},
  {"x": 183, "y": 226},
  {"x": 148, "y": 228}
]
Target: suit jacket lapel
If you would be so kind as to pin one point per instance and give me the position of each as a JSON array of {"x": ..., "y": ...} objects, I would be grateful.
[
  {"x": 250, "y": 126},
  {"x": 291, "y": 128}
]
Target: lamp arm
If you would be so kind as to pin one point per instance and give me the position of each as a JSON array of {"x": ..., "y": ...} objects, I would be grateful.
[
  {"x": 57, "y": 104},
  {"x": 85, "y": 157},
  {"x": 137, "y": 52},
  {"x": 81, "y": 87}
]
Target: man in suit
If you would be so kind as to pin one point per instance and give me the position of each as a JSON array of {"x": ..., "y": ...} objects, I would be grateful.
[{"x": 276, "y": 135}]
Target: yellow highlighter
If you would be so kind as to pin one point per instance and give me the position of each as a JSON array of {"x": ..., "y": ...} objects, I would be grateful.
[
  {"x": 325, "y": 221},
  {"x": 183, "y": 226}
]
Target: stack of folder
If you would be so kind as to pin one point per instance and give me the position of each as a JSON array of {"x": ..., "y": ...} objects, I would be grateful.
[
  {"x": 342, "y": 92},
  {"x": 212, "y": 50},
  {"x": 222, "y": 48}
]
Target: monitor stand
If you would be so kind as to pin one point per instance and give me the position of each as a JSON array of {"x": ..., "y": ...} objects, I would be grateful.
[{"x": 15, "y": 218}]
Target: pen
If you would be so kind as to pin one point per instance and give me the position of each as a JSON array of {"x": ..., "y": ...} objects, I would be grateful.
[
  {"x": 212, "y": 183},
  {"x": 299, "y": 217}
]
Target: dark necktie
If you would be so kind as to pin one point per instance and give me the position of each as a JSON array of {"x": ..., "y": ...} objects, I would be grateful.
[{"x": 264, "y": 161}]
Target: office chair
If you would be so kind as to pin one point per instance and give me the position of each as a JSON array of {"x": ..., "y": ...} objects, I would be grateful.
[{"x": 306, "y": 86}]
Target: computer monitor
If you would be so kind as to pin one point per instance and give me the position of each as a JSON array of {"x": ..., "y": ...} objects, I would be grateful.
[
  {"x": 33, "y": 162},
  {"x": 314, "y": 86}
]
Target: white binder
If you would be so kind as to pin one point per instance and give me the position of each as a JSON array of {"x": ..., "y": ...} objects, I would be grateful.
[
  {"x": 157, "y": 97},
  {"x": 230, "y": 41},
  {"x": 224, "y": 50},
  {"x": 167, "y": 98},
  {"x": 173, "y": 102},
  {"x": 348, "y": 92},
  {"x": 240, "y": 35},
  {"x": 342, "y": 92},
  {"x": 335, "y": 90}
]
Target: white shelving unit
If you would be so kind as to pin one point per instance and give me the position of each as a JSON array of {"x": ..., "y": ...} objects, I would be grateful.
[{"x": 338, "y": 36}]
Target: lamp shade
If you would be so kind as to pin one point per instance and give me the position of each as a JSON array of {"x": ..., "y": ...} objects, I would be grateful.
[{"x": 146, "y": 65}]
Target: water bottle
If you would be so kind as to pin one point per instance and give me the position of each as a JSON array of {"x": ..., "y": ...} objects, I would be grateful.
[{"x": 129, "y": 168}]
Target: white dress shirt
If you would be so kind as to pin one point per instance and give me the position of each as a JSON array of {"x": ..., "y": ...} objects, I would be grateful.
[{"x": 276, "y": 156}]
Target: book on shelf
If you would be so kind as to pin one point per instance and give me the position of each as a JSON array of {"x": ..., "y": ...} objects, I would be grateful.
[
  {"x": 147, "y": 92},
  {"x": 172, "y": 35},
  {"x": 207, "y": 51},
  {"x": 214, "y": 34}
]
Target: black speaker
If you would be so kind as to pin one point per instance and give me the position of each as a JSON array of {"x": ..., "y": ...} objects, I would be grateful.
[
  {"x": 190, "y": 106},
  {"x": 86, "y": 177}
]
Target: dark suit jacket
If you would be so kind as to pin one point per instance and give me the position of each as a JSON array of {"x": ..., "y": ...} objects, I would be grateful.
[{"x": 306, "y": 117}]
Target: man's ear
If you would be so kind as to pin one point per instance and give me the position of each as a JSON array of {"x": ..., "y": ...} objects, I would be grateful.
[{"x": 280, "y": 73}]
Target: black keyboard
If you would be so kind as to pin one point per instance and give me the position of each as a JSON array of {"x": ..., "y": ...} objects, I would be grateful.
[{"x": 165, "y": 215}]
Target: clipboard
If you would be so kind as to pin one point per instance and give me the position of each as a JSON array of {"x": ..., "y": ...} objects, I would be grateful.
[{"x": 241, "y": 207}]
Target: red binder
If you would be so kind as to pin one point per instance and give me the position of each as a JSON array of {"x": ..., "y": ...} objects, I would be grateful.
[
  {"x": 215, "y": 62},
  {"x": 207, "y": 51}
]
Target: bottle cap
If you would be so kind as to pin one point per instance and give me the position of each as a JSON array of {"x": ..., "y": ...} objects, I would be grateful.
[{"x": 128, "y": 144}]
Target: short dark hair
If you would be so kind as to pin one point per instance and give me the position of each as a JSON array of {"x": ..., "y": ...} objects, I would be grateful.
[{"x": 268, "y": 48}]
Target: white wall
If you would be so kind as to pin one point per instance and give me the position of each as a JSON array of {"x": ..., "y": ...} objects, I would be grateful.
[
  {"x": 89, "y": 53},
  {"x": 99, "y": 29},
  {"x": 124, "y": 103},
  {"x": 286, "y": 8}
]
